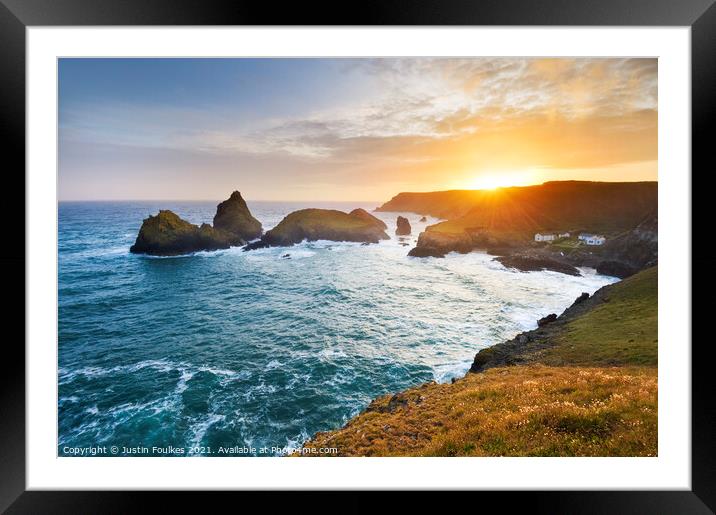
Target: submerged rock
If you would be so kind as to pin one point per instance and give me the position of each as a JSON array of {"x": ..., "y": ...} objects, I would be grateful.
[
  {"x": 403, "y": 226},
  {"x": 233, "y": 217},
  {"x": 526, "y": 262},
  {"x": 365, "y": 215},
  {"x": 423, "y": 219},
  {"x": 320, "y": 224},
  {"x": 166, "y": 234}
]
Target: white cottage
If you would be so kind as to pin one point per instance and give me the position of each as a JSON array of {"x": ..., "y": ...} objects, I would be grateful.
[
  {"x": 545, "y": 237},
  {"x": 563, "y": 235},
  {"x": 592, "y": 239}
]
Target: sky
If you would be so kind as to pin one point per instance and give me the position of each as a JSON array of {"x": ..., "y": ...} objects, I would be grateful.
[{"x": 349, "y": 129}]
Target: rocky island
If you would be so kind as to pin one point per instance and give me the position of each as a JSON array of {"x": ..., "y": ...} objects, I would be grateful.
[
  {"x": 322, "y": 224},
  {"x": 166, "y": 234},
  {"x": 402, "y": 227}
]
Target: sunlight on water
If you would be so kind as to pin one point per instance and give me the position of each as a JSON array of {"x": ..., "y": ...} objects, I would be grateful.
[{"x": 255, "y": 348}]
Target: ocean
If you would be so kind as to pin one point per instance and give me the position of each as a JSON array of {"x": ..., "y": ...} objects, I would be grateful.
[{"x": 256, "y": 350}]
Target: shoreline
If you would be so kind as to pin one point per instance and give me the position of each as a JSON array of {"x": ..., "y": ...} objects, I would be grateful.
[{"x": 536, "y": 356}]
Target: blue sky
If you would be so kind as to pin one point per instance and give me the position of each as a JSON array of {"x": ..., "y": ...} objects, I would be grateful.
[{"x": 347, "y": 129}]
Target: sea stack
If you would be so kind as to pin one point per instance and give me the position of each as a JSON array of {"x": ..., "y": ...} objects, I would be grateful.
[
  {"x": 403, "y": 228},
  {"x": 166, "y": 234},
  {"x": 320, "y": 224},
  {"x": 233, "y": 217}
]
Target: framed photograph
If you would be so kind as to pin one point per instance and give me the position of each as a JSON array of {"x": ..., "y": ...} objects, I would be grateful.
[{"x": 442, "y": 247}]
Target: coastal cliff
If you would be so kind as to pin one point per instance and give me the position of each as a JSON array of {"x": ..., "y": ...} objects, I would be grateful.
[
  {"x": 583, "y": 384},
  {"x": 504, "y": 222}
]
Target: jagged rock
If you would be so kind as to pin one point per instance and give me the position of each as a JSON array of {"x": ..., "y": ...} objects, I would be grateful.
[
  {"x": 433, "y": 243},
  {"x": 365, "y": 215},
  {"x": 233, "y": 217},
  {"x": 319, "y": 224},
  {"x": 546, "y": 320},
  {"x": 584, "y": 296},
  {"x": 166, "y": 234},
  {"x": 403, "y": 226}
]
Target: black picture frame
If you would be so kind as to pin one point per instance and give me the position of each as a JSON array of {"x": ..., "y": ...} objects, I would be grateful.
[{"x": 17, "y": 15}]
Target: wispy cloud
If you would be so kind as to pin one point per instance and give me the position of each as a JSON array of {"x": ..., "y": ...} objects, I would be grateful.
[{"x": 493, "y": 112}]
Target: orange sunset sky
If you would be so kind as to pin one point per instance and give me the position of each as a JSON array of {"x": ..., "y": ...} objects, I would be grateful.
[{"x": 349, "y": 129}]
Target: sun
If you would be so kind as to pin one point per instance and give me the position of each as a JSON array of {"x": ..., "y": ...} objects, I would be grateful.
[
  {"x": 489, "y": 182},
  {"x": 493, "y": 181}
]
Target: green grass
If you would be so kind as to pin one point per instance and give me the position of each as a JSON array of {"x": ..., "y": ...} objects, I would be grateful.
[
  {"x": 330, "y": 218},
  {"x": 622, "y": 331},
  {"x": 566, "y": 244},
  {"x": 515, "y": 411}
]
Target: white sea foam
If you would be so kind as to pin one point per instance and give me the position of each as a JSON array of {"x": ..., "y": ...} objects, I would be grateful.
[
  {"x": 198, "y": 429},
  {"x": 273, "y": 364}
]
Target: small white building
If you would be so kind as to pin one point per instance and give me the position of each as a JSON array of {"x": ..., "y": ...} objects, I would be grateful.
[
  {"x": 592, "y": 239},
  {"x": 545, "y": 237},
  {"x": 563, "y": 235}
]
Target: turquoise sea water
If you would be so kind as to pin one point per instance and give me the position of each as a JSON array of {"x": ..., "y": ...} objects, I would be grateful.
[{"x": 245, "y": 350}]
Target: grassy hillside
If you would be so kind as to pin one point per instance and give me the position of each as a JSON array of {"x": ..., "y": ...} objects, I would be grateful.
[
  {"x": 621, "y": 330},
  {"x": 585, "y": 385},
  {"x": 516, "y": 411},
  {"x": 604, "y": 207}
]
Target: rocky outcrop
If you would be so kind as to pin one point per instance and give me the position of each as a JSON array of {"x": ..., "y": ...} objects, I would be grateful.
[
  {"x": 233, "y": 217},
  {"x": 433, "y": 243},
  {"x": 525, "y": 346},
  {"x": 423, "y": 219},
  {"x": 547, "y": 320},
  {"x": 365, "y": 215},
  {"x": 320, "y": 224},
  {"x": 166, "y": 234},
  {"x": 526, "y": 261},
  {"x": 403, "y": 227}
]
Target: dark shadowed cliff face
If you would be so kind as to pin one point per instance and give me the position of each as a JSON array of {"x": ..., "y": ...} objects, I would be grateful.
[
  {"x": 632, "y": 251},
  {"x": 365, "y": 215},
  {"x": 234, "y": 217},
  {"x": 167, "y": 235},
  {"x": 320, "y": 224},
  {"x": 403, "y": 227}
]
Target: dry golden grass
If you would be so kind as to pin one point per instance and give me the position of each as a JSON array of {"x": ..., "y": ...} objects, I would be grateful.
[{"x": 515, "y": 411}]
